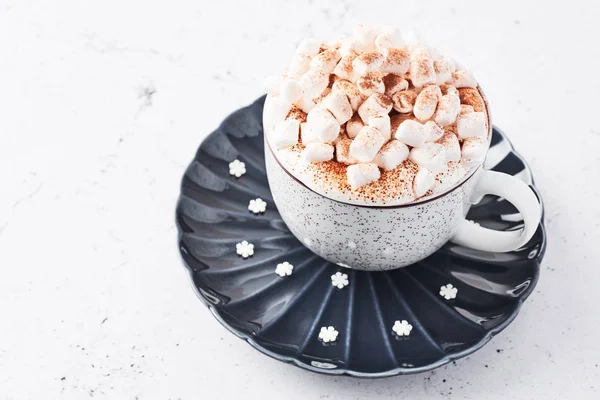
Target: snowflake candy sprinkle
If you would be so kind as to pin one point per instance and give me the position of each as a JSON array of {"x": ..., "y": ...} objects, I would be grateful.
[
  {"x": 448, "y": 292},
  {"x": 237, "y": 168},
  {"x": 402, "y": 328},
  {"x": 339, "y": 280},
  {"x": 284, "y": 269},
  {"x": 244, "y": 249},
  {"x": 257, "y": 206},
  {"x": 328, "y": 334}
]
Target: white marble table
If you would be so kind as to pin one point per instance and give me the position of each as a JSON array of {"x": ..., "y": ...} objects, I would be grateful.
[{"x": 102, "y": 105}]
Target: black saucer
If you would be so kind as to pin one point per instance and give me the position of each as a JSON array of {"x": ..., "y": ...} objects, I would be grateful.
[{"x": 282, "y": 316}]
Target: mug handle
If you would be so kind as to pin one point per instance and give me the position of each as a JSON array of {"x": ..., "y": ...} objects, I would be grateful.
[{"x": 472, "y": 235}]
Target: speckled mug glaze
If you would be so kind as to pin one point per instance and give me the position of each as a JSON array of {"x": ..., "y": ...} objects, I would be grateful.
[{"x": 362, "y": 237}]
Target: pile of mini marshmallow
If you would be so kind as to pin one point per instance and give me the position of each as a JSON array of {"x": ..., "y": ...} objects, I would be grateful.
[{"x": 336, "y": 98}]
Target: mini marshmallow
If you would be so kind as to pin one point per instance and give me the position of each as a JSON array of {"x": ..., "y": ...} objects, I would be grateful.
[
  {"x": 366, "y": 144},
  {"x": 471, "y": 125},
  {"x": 314, "y": 83},
  {"x": 451, "y": 145},
  {"x": 291, "y": 90},
  {"x": 325, "y": 61},
  {"x": 366, "y": 62},
  {"x": 396, "y": 61},
  {"x": 323, "y": 123},
  {"x": 474, "y": 150},
  {"x": 306, "y": 104},
  {"x": 393, "y": 84},
  {"x": 466, "y": 109},
  {"x": 431, "y": 156},
  {"x": 376, "y": 103},
  {"x": 361, "y": 174},
  {"x": 342, "y": 152},
  {"x": 464, "y": 78},
  {"x": 354, "y": 126},
  {"x": 344, "y": 68},
  {"x": 412, "y": 133},
  {"x": 337, "y": 103},
  {"x": 317, "y": 152},
  {"x": 391, "y": 154},
  {"x": 365, "y": 35},
  {"x": 447, "y": 109},
  {"x": 388, "y": 38},
  {"x": 381, "y": 122},
  {"x": 309, "y": 47},
  {"x": 404, "y": 101},
  {"x": 435, "y": 131},
  {"x": 299, "y": 66},
  {"x": 275, "y": 111},
  {"x": 369, "y": 83},
  {"x": 272, "y": 84},
  {"x": 285, "y": 133},
  {"x": 423, "y": 181},
  {"x": 351, "y": 92},
  {"x": 422, "y": 71},
  {"x": 307, "y": 134},
  {"x": 426, "y": 102},
  {"x": 444, "y": 68}
]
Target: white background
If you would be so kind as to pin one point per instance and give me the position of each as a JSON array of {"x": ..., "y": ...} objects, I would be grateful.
[{"x": 102, "y": 105}]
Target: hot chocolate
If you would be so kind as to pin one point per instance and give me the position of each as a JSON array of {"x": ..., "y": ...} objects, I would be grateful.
[{"x": 376, "y": 118}]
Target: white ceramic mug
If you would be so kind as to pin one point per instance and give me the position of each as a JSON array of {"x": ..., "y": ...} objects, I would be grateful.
[{"x": 387, "y": 237}]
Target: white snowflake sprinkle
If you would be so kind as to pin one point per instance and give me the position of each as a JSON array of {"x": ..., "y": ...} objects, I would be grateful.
[
  {"x": 328, "y": 334},
  {"x": 283, "y": 269},
  {"x": 402, "y": 328},
  {"x": 307, "y": 241},
  {"x": 339, "y": 280},
  {"x": 245, "y": 249},
  {"x": 257, "y": 206},
  {"x": 448, "y": 292},
  {"x": 237, "y": 168},
  {"x": 351, "y": 244}
]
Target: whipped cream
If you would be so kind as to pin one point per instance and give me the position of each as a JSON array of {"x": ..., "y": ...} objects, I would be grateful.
[{"x": 376, "y": 118}]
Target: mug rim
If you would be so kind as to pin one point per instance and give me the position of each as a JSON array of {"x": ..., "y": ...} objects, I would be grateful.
[{"x": 464, "y": 180}]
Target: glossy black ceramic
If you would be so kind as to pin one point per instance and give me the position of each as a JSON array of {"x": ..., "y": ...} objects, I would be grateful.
[{"x": 281, "y": 317}]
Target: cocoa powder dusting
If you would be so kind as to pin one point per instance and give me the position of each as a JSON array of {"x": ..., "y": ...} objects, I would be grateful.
[
  {"x": 398, "y": 56},
  {"x": 331, "y": 81},
  {"x": 393, "y": 184},
  {"x": 333, "y": 174},
  {"x": 445, "y": 88},
  {"x": 391, "y": 80},
  {"x": 472, "y": 97},
  {"x": 371, "y": 57},
  {"x": 297, "y": 114},
  {"x": 370, "y": 80}
]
